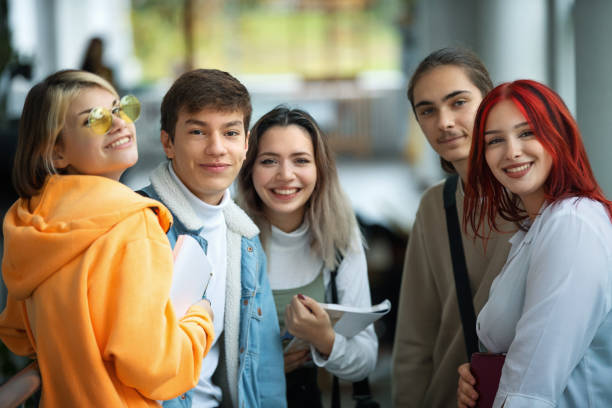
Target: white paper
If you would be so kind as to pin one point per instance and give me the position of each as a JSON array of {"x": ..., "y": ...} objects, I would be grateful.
[
  {"x": 192, "y": 272},
  {"x": 346, "y": 320}
]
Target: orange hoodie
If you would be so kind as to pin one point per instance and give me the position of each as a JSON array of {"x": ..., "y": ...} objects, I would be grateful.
[{"x": 88, "y": 267}]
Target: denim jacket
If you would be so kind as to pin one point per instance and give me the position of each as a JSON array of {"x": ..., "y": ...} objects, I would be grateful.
[{"x": 250, "y": 370}]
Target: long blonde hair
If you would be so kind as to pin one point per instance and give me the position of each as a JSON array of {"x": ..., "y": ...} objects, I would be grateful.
[
  {"x": 328, "y": 211},
  {"x": 42, "y": 120}
]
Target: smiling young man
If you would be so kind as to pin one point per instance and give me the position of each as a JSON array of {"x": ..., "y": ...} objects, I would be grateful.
[
  {"x": 445, "y": 92},
  {"x": 204, "y": 125}
]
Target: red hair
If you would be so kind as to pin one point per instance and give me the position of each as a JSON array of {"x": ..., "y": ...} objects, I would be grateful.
[{"x": 557, "y": 131}]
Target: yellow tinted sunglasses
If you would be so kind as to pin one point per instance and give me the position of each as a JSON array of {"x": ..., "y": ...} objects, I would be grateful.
[{"x": 100, "y": 120}]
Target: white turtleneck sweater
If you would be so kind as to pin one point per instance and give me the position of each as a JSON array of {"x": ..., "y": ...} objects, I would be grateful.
[
  {"x": 292, "y": 264},
  {"x": 207, "y": 394}
]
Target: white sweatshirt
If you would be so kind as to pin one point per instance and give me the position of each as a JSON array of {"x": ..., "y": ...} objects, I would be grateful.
[{"x": 291, "y": 264}]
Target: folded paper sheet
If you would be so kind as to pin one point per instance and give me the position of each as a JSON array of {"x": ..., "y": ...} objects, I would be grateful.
[{"x": 192, "y": 272}]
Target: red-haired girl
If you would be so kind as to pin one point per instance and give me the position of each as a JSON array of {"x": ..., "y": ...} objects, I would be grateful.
[{"x": 549, "y": 308}]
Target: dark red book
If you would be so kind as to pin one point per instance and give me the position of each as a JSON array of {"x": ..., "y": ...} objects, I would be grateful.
[{"x": 486, "y": 368}]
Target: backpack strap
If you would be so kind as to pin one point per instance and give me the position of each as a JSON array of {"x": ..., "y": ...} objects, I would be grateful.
[
  {"x": 361, "y": 389},
  {"x": 462, "y": 282},
  {"x": 335, "y": 398}
]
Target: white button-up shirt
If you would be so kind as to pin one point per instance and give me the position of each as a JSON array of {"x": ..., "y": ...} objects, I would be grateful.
[{"x": 549, "y": 309}]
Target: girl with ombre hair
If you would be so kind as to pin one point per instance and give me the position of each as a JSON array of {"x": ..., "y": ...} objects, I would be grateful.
[
  {"x": 549, "y": 308},
  {"x": 289, "y": 185}
]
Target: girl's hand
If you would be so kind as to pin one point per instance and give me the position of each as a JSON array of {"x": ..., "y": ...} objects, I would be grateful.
[
  {"x": 296, "y": 359},
  {"x": 466, "y": 394},
  {"x": 307, "y": 320},
  {"x": 205, "y": 303}
]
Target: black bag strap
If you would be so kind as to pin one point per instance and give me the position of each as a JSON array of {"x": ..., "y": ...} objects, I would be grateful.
[
  {"x": 462, "y": 282},
  {"x": 335, "y": 400},
  {"x": 361, "y": 389}
]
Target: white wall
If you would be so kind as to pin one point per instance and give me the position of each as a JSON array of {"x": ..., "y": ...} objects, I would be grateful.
[
  {"x": 594, "y": 84},
  {"x": 512, "y": 39},
  {"x": 509, "y": 36}
]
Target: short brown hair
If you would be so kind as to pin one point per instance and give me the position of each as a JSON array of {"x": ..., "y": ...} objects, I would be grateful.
[
  {"x": 204, "y": 88},
  {"x": 42, "y": 120},
  {"x": 463, "y": 58}
]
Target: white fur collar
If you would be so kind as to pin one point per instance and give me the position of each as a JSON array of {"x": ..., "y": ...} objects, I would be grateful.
[{"x": 170, "y": 194}]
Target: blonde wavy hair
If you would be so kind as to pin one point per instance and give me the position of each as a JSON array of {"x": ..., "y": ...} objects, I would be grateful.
[
  {"x": 42, "y": 120},
  {"x": 332, "y": 221}
]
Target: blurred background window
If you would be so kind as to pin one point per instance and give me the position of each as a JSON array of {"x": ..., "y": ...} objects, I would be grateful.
[{"x": 317, "y": 39}]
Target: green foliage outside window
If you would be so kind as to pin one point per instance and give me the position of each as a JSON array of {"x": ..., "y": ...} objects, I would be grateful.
[{"x": 265, "y": 37}]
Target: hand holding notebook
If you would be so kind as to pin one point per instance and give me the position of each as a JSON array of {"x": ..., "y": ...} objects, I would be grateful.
[{"x": 346, "y": 320}]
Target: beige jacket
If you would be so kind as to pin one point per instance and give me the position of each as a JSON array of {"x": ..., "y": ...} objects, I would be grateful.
[{"x": 429, "y": 343}]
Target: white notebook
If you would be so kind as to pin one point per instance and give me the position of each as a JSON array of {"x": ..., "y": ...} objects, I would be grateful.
[
  {"x": 346, "y": 320},
  {"x": 192, "y": 272}
]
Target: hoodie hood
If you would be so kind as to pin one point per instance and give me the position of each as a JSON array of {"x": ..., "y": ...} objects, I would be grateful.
[{"x": 49, "y": 230}]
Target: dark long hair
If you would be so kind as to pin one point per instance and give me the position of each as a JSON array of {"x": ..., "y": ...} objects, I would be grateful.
[{"x": 463, "y": 58}]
